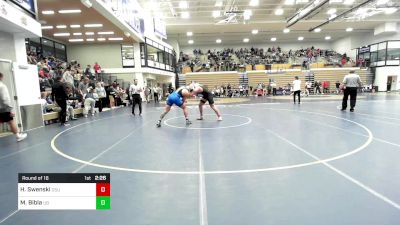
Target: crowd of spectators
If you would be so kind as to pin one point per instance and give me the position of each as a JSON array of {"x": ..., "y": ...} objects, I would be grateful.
[{"x": 234, "y": 59}]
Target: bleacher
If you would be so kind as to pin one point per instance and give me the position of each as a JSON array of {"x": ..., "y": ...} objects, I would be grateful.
[
  {"x": 281, "y": 77},
  {"x": 333, "y": 75},
  {"x": 213, "y": 79}
]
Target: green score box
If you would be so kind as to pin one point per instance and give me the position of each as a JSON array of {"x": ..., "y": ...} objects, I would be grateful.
[{"x": 103, "y": 203}]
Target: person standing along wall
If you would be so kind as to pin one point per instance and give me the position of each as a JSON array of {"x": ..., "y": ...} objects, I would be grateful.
[
  {"x": 6, "y": 111},
  {"x": 351, "y": 82}
]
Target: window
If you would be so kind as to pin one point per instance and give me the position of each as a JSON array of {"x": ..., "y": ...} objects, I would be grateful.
[
  {"x": 60, "y": 51},
  {"x": 48, "y": 48},
  {"x": 127, "y": 53}
]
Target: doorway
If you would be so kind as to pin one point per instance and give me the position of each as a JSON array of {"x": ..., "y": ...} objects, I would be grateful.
[{"x": 392, "y": 83}]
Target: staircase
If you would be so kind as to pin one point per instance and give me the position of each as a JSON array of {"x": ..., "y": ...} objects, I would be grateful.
[
  {"x": 244, "y": 80},
  {"x": 181, "y": 80},
  {"x": 309, "y": 76}
]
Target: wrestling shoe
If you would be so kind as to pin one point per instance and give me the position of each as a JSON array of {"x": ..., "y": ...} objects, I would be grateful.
[{"x": 158, "y": 123}]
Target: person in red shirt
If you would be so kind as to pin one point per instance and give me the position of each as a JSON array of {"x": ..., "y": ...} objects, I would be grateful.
[{"x": 97, "y": 68}]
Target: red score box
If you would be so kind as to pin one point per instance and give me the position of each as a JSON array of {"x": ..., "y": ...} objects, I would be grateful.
[{"x": 103, "y": 189}]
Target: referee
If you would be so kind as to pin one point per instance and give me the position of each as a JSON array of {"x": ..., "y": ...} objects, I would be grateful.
[
  {"x": 134, "y": 91},
  {"x": 351, "y": 82}
]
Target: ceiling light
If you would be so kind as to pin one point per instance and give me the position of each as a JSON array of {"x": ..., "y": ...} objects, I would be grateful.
[
  {"x": 48, "y": 12},
  {"x": 246, "y": 40},
  {"x": 317, "y": 30},
  {"x": 216, "y": 13},
  {"x": 300, "y": 38},
  {"x": 190, "y": 41},
  {"x": 77, "y": 34},
  {"x": 254, "y": 31},
  {"x": 273, "y": 39},
  {"x": 348, "y": 2},
  {"x": 382, "y": 2},
  {"x": 286, "y": 30},
  {"x": 116, "y": 39},
  {"x": 247, "y": 14},
  {"x": 89, "y": 33},
  {"x": 47, "y": 27},
  {"x": 61, "y": 34},
  {"x": 218, "y": 3},
  {"x": 389, "y": 11},
  {"x": 185, "y": 15},
  {"x": 105, "y": 32},
  {"x": 289, "y": 2},
  {"x": 189, "y": 33},
  {"x": 183, "y": 5},
  {"x": 331, "y": 11},
  {"x": 301, "y": 1},
  {"x": 75, "y": 40},
  {"x": 61, "y": 26},
  {"x": 328, "y": 38},
  {"x": 349, "y": 29},
  {"x": 90, "y": 39},
  {"x": 279, "y": 12},
  {"x": 254, "y": 3},
  {"x": 67, "y": 11},
  {"x": 101, "y": 39},
  {"x": 93, "y": 25},
  {"x": 75, "y": 26},
  {"x": 332, "y": 16},
  {"x": 218, "y": 41}
]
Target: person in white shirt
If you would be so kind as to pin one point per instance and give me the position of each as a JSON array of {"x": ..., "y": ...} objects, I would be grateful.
[
  {"x": 101, "y": 92},
  {"x": 134, "y": 92},
  {"x": 296, "y": 88},
  {"x": 6, "y": 111},
  {"x": 308, "y": 88},
  {"x": 90, "y": 101},
  {"x": 156, "y": 94},
  {"x": 67, "y": 76}
]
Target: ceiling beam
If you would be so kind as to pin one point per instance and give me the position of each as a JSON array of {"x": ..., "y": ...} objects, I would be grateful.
[{"x": 341, "y": 15}]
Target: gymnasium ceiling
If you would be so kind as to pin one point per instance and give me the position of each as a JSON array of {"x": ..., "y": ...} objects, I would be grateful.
[
  {"x": 86, "y": 16},
  {"x": 205, "y": 31}
]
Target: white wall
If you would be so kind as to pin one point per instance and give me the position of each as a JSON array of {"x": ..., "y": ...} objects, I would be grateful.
[
  {"x": 344, "y": 45},
  {"x": 381, "y": 77},
  {"x": 107, "y": 55},
  {"x": 285, "y": 46},
  {"x": 362, "y": 39}
]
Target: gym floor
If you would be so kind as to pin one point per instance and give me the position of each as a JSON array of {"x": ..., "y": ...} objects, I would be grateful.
[{"x": 269, "y": 162}]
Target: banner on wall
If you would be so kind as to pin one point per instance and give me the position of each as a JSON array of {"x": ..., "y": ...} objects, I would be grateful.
[
  {"x": 129, "y": 11},
  {"x": 28, "y": 5},
  {"x": 160, "y": 28}
]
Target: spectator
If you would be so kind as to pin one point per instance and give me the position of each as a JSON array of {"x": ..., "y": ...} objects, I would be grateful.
[
  {"x": 83, "y": 86},
  {"x": 88, "y": 72},
  {"x": 101, "y": 92},
  {"x": 97, "y": 68},
  {"x": 6, "y": 111},
  {"x": 90, "y": 102},
  {"x": 67, "y": 76}
]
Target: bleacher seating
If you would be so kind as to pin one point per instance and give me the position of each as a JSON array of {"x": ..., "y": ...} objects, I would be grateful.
[{"x": 214, "y": 79}]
